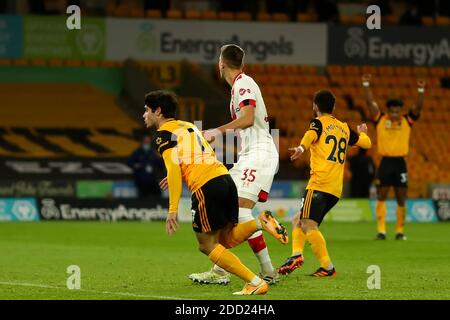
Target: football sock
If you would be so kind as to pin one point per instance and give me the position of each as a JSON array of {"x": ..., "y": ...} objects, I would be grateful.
[
  {"x": 219, "y": 270},
  {"x": 258, "y": 245},
  {"x": 400, "y": 224},
  {"x": 240, "y": 233},
  {"x": 380, "y": 211},
  {"x": 319, "y": 248},
  {"x": 231, "y": 263},
  {"x": 255, "y": 281},
  {"x": 298, "y": 241}
]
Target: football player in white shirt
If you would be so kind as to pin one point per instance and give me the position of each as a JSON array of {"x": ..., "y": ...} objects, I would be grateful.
[{"x": 258, "y": 159}]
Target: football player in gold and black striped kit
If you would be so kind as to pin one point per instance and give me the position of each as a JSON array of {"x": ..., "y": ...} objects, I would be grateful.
[
  {"x": 328, "y": 140},
  {"x": 189, "y": 157},
  {"x": 393, "y": 132}
]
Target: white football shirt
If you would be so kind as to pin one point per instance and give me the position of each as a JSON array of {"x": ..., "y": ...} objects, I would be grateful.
[{"x": 256, "y": 138}]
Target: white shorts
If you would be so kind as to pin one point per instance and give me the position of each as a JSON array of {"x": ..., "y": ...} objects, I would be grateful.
[{"x": 253, "y": 175}]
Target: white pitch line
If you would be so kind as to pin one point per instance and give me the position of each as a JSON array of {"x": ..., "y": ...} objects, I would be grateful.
[{"x": 25, "y": 284}]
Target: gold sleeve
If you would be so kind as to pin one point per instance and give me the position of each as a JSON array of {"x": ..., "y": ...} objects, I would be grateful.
[
  {"x": 174, "y": 180},
  {"x": 309, "y": 138},
  {"x": 364, "y": 141}
]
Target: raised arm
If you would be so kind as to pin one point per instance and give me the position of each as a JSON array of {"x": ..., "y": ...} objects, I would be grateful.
[
  {"x": 360, "y": 139},
  {"x": 370, "y": 101},
  {"x": 417, "y": 107}
]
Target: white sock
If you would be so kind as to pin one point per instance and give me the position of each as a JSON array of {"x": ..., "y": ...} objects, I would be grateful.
[
  {"x": 219, "y": 270},
  {"x": 255, "y": 281},
  {"x": 258, "y": 225},
  {"x": 264, "y": 261},
  {"x": 245, "y": 214},
  {"x": 263, "y": 256}
]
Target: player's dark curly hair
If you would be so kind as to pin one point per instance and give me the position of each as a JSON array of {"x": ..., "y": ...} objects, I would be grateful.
[
  {"x": 394, "y": 103},
  {"x": 325, "y": 100},
  {"x": 233, "y": 55},
  {"x": 166, "y": 100}
]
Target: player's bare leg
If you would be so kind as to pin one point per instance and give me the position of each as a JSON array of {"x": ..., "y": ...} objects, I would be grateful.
[
  {"x": 400, "y": 194},
  {"x": 380, "y": 210},
  {"x": 218, "y": 254}
]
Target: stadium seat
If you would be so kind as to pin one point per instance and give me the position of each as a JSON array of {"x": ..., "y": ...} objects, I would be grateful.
[
  {"x": 174, "y": 14},
  {"x": 280, "y": 17},
  {"x": 263, "y": 16},
  {"x": 155, "y": 14},
  {"x": 122, "y": 11},
  {"x": 390, "y": 19},
  {"x": 308, "y": 69},
  {"x": 137, "y": 13},
  {"x": 38, "y": 62},
  {"x": 432, "y": 82},
  {"x": 420, "y": 71},
  {"x": 243, "y": 16},
  {"x": 403, "y": 71},
  {"x": 192, "y": 14},
  {"x": 345, "y": 19},
  {"x": 257, "y": 68},
  {"x": 274, "y": 69},
  {"x": 442, "y": 20},
  {"x": 5, "y": 62},
  {"x": 306, "y": 17},
  {"x": 437, "y": 71},
  {"x": 73, "y": 63},
  {"x": 110, "y": 8},
  {"x": 352, "y": 70},
  {"x": 209, "y": 15},
  {"x": 386, "y": 70},
  {"x": 20, "y": 62},
  {"x": 90, "y": 63},
  {"x": 369, "y": 69},
  {"x": 358, "y": 19},
  {"x": 288, "y": 90},
  {"x": 226, "y": 15},
  {"x": 427, "y": 21},
  {"x": 335, "y": 69},
  {"x": 108, "y": 64},
  {"x": 80, "y": 111},
  {"x": 291, "y": 69}
]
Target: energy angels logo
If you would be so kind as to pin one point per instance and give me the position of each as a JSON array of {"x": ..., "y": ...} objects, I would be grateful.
[
  {"x": 146, "y": 40},
  {"x": 90, "y": 40},
  {"x": 355, "y": 46},
  {"x": 49, "y": 210}
]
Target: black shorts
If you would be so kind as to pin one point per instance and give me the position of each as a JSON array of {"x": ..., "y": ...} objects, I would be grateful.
[
  {"x": 316, "y": 204},
  {"x": 392, "y": 172},
  {"x": 215, "y": 205}
]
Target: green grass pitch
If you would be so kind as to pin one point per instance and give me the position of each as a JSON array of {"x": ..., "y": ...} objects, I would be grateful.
[{"x": 131, "y": 260}]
